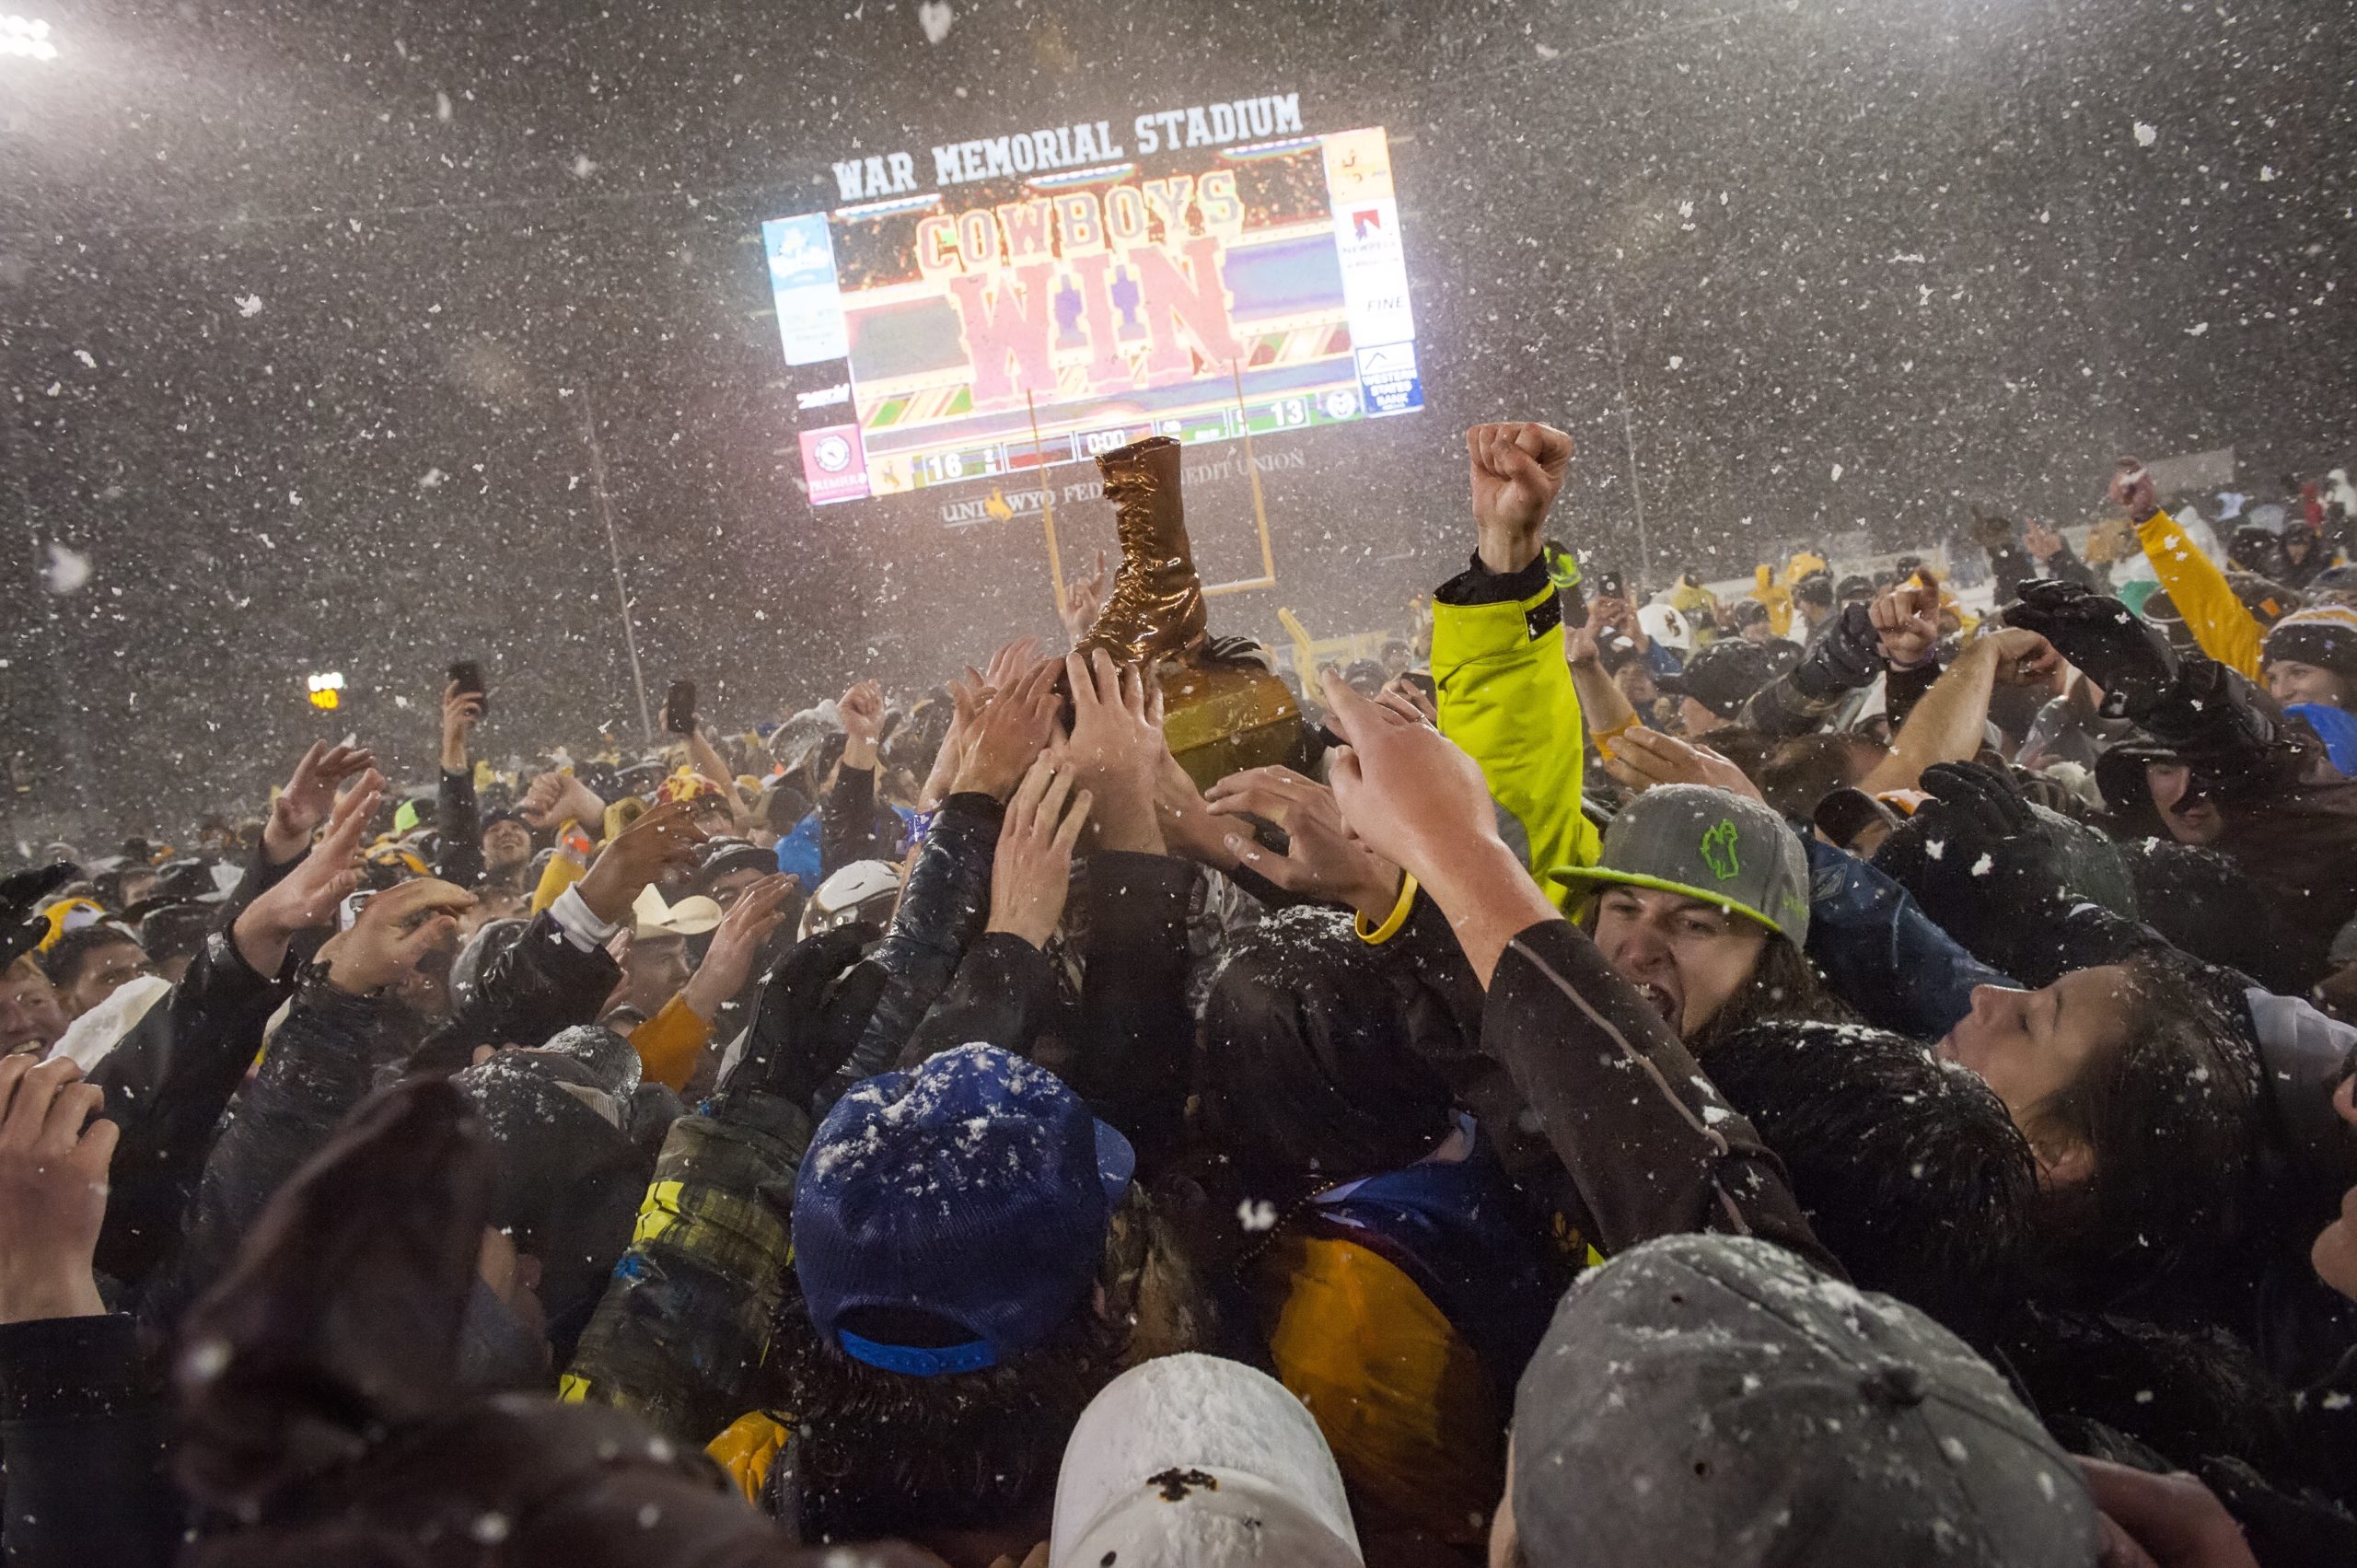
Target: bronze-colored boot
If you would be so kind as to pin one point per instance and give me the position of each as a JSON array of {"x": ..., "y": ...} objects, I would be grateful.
[{"x": 1155, "y": 611}]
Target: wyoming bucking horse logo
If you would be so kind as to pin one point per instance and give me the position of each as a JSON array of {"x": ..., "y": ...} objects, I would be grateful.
[{"x": 1718, "y": 852}]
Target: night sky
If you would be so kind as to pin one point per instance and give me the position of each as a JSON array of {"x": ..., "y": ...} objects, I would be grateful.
[{"x": 304, "y": 310}]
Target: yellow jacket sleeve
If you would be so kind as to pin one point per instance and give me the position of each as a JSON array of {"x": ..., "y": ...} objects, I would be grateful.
[
  {"x": 2223, "y": 629},
  {"x": 668, "y": 1044},
  {"x": 1506, "y": 698}
]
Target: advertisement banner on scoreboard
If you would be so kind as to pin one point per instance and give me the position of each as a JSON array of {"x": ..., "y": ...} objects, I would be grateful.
[
  {"x": 802, "y": 278},
  {"x": 833, "y": 466},
  {"x": 1013, "y": 321}
]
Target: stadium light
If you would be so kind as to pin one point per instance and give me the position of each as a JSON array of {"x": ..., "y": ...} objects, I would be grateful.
[{"x": 26, "y": 38}]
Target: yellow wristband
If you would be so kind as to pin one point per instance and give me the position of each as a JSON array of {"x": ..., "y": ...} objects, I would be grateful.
[{"x": 1375, "y": 937}]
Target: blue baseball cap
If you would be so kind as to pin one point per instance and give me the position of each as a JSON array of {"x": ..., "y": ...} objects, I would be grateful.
[{"x": 976, "y": 1188}]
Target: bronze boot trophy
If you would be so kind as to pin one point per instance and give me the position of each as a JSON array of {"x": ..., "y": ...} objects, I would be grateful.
[
  {"x": 1225, "y": 710},
  {"x": 1155, "y": 611}
]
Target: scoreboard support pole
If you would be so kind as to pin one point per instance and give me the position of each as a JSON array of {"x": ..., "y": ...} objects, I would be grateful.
[{"x": 1047, "y": 506}]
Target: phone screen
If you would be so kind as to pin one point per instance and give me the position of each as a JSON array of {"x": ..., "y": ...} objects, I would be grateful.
[
  {"x": 467, "y": 676},
  {"x": 679, "y": 708}
]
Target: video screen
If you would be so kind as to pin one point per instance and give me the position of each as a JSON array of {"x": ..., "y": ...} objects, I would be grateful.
[{"x": 1023, "y": 323}]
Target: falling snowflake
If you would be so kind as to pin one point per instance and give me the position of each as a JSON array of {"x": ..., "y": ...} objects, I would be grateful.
[
  {"x": 934, "y": 16},
  {"x": 2195, "y": 329},
  {"x": 2145, "y": 135},
  {"x": 1256, "y": 1213},
  {"x": 67, "y": 571},
  {"x": 249, "y": 305},
  {"x": 1836, "y": 473},
  {"x": 583, "y": 166},
  {"x": 442, "y": 106}
]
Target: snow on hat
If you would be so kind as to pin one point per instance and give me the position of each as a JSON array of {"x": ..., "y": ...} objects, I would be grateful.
[
  {"x": 1706, "y": 844},
  {"x": 2325, "y": 636},
  {"x": 1712, "y": 1399},
  {"x": 1191, "y": 1461},
  {"x": 976, "y": 1188}
]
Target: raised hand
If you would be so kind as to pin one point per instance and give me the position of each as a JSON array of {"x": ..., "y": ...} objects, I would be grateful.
[
  {"x": 1084, "y": 598},
  {"x": 1010, "y": 662},
  {"x": 461, "y": 711},
  {"x": 394, "y": 929},
  {"x": 554, "y": 799},
  {"x": 2132, "y": 490},
  {"x": 1321, "y": 859},
  {"x": 1032, "y": 871},
  {"x": 1014, "y": 728},
  {"x": 1641, "y": 759},
  {"x": 1411, "y": 796},
  {"x": 2039, "y": 537},
  {"x": 2023, "y": 658},
  {"x": 2129, "y": 658},
  {"x": 743, "y": 931},
  {"x": 1516, "y": 471},
  {"x": 1907, "y": 624},
  {"x": 1116, "y": 748},
  {"x": 862, "y": 711},
  {"x": 307, "y": 896},
  {"x": 808, "y": 1015},
  {"x": 664, "y": 839},
  {"x": 54, "y": 1159},
  {"x": 309, "y": 797},
  {"x": 1189, "y": 829},
  {"x": 1407, "y": 793}
]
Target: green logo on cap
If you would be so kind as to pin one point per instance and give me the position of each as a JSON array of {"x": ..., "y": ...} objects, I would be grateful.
[{"x": 1718, "y": 851}]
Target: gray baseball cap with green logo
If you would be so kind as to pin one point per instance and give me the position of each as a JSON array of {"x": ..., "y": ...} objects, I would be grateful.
[{"x": 1706, "y": 844}]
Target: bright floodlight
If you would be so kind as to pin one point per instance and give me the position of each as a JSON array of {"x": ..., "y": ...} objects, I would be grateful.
[{"x": 26, "y": 38}]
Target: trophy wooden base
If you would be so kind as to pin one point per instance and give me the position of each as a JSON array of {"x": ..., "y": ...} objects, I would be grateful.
[{"x": 1224, "y": 717}]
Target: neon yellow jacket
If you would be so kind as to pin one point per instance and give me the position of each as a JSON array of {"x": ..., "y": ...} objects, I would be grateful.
[
  {"x": 1506, "y": 698},
  {"x": 2221, "y": 625}
]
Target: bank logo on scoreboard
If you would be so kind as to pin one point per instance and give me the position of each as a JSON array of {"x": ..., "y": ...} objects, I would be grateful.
[{"x": 1389, "y": 380}]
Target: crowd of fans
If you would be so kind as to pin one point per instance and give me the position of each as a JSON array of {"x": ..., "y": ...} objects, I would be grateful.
[{"x": 1825, "y": 1076}]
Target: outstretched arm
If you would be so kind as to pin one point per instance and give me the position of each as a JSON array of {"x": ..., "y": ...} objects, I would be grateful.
[{"x": 1648, "y": 1142}]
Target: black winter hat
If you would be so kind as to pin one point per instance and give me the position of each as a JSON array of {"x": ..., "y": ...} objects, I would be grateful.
[
  {"x": 1310, "y": 1058},
  {"x": 1723, "y": 676}
]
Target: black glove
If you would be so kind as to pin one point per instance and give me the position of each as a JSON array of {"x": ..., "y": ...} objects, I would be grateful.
[
  {"x": 809, "y": 1015},
  {"x": 20, "y": 929},
  {"x": 1845, "y": 658},
  {"x": 2125, "y": 656},
  {"x": 1980, "y": 861}
]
